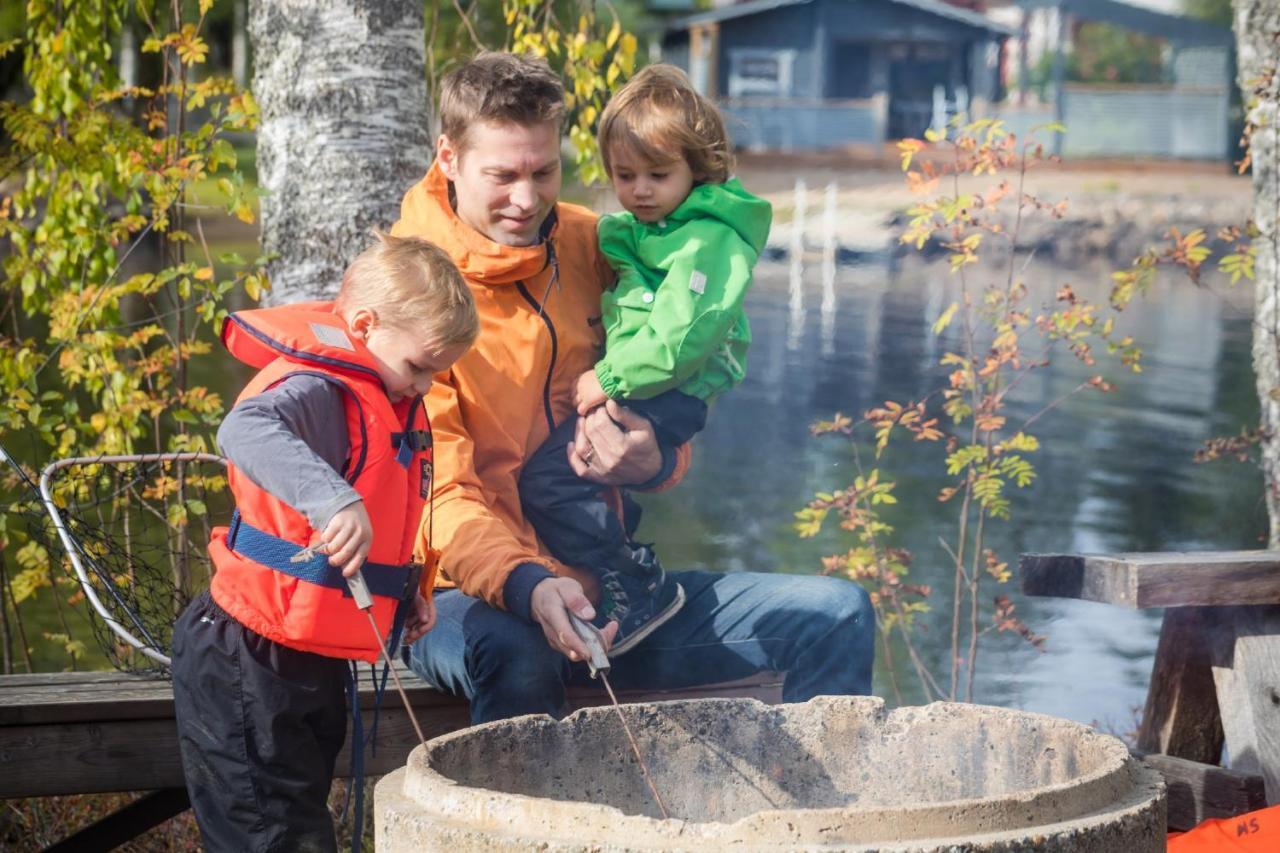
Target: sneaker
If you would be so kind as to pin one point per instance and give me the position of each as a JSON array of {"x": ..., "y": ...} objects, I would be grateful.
[{"x": 637, "y": 594}]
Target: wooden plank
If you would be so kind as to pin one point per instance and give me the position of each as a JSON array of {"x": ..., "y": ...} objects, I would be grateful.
[
  {"x": 72, "y": 697},
  {"x": 1181, "y": 716},
  {"x": 1052, "y": 575},
  {"x": 57, "y": 757},
  {"x": 1199, "y": 792},
  {"x": 1246, "y": 672},
  {"x": 124, "y": 755},
  {"x": 1157, "y": 579},
  {"x": 125, "y": 824}
]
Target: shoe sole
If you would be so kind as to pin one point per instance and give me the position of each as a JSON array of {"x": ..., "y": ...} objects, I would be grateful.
[{"x": 620, "y": 649}]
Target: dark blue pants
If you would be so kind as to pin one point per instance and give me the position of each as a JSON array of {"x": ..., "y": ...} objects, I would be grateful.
[
  {"x": 571, "y": 518},
  {"x": 820, "y": 631}
]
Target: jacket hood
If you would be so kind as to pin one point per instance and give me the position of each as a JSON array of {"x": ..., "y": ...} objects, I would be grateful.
[
  {"x": 426, "y": 210},
  {"x": 748, "y": 215}
]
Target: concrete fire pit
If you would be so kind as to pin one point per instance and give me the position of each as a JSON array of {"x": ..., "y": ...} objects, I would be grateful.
[{"x": 833, "y": 773}]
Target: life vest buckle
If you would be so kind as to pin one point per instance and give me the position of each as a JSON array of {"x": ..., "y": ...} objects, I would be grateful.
[{"x": 417, "y": 440}]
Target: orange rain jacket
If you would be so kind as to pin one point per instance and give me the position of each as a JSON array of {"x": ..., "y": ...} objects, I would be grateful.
[
  {"x": 539, "y": 331},
  {"x": 310, "y": 338}
]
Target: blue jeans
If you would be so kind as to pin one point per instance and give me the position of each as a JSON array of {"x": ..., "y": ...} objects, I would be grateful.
[{"x": 819, "y": 631}]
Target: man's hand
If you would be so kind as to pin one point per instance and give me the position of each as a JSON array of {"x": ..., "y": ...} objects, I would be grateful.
[
  {"x": 587, "y": 393},
  {"x": 614, "y": 446},
  {"x": 421, "y": 620},
  {"x": 347, "y": 538},
  {"x": 550, "y": 604}
]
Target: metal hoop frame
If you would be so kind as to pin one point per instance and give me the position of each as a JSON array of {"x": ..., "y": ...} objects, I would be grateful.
[{"x": 75, "y": 550}]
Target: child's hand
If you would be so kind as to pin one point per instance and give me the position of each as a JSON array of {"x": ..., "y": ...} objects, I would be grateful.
[
  {"x": 587, "y": 393},
  {"x": 348, "y": 537},
  {"x": 422, "y": 620}
]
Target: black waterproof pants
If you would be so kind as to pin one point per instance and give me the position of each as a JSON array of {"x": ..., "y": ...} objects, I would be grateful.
[
  {"x": 260, "y": 726},
  {"x": 569, "y": 514}
]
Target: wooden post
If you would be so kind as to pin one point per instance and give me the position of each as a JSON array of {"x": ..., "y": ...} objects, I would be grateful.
[
  {"x": 1181, "y": 717},
  {"x": 1246, "y": 670},
  {"x": 713, "y": 60},
  {"x": 1059, "y": 72}
]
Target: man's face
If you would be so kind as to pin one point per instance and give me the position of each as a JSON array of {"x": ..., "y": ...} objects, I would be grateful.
[{"x": 506, "y": 180}]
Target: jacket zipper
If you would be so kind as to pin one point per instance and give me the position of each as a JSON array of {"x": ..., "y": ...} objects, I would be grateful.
[{"x": 546, "y": 385}]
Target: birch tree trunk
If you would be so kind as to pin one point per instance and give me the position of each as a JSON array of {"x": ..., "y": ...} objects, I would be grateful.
[
  {"x": 1257, "y": 26},
  {"x": 343, "y": 131}
]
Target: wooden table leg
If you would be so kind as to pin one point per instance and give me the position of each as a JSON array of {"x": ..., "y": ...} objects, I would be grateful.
[
  {"x": 1181, "y": 717},
  {"x": 1246, "y": 671}
]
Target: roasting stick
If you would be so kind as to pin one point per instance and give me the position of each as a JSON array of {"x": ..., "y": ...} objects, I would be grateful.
[
  {"x": 364, "y": 601},
  {"x": 599, "y": 665}
]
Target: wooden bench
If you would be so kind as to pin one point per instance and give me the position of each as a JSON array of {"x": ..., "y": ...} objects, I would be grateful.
[
  {"x": 94, "y": 732},
  {"x": 1216, "y": 677}
]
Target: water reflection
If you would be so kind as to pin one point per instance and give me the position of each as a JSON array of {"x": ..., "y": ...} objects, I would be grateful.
[{"x": 1115, "y": 470}]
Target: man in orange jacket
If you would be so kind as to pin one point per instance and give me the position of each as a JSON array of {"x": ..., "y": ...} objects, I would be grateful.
[{"x": 502, "y": 637}]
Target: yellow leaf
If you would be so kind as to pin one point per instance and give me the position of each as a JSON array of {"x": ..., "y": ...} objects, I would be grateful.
[
  {"x": 945, "y": 319},
  {"x": 204, "y": 274}
]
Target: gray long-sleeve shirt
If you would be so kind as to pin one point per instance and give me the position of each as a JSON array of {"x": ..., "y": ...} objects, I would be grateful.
[{"x": 291, "y": 440}]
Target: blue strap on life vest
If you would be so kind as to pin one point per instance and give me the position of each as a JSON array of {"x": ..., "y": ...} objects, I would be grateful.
[
  {"x": 396, "y": 582},
  {"x": 357, "y": 758}
]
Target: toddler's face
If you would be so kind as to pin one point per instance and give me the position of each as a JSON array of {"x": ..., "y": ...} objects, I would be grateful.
[
  {"x": 406, "y": 362},
  {"x": 649, "y": 190}
]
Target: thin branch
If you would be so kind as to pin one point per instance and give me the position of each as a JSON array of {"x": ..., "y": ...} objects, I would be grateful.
[
  {"x": 885, "y": 643},
  {"x": 1053, "y": 403},
  {"x": 75, "y": 329},
  {"x": 475, "y": 39},
  {"x": 974, "y": 581}
]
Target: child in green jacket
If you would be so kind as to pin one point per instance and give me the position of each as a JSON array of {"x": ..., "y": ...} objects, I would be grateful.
[{"x": 676, "y": 334}]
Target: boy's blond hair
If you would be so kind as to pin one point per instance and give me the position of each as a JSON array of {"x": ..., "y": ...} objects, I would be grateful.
[
  {"x": 507, "y": 88},
  {"x": 660, "y": 117},
  {"x": 411, "y": 284}
]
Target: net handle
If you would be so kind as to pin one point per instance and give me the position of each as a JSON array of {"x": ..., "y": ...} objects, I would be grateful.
[{"x": 73, "y": 547}]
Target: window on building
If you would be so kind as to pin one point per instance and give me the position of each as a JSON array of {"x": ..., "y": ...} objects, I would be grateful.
[
  {"x": 852, "y": 78},
  {"x": 760, "y": 73}
]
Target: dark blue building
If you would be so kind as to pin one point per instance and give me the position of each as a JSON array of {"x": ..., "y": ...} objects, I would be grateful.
[{"x": 795, "y": 74}]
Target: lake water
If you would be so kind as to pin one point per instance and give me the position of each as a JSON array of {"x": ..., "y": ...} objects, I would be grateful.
[{"x": 1115, "y": 470}]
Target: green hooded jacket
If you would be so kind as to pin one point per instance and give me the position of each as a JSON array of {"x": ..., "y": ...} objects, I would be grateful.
[{"x": 675, "y": 318}]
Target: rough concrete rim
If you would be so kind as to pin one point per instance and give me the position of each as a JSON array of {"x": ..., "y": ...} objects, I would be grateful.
[{"x": 1117, "y": 786}]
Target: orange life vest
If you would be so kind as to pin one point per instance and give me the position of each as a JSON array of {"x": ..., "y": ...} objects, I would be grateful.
[
  {"x": 1256, "y": 831},
  {"x": 306, "y": 605}
]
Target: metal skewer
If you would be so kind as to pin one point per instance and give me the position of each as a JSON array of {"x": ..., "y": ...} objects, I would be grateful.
[
  {"x": 598, "y": 665},
  {"x": 364, "y": 601}
]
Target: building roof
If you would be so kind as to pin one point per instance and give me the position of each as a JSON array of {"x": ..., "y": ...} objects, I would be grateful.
[
  {"x": 932, "y": 7},
  {"x": 1140, "y": 19}
]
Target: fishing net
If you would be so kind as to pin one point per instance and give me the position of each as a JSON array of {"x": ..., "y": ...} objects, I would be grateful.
[{"x": 133, "y": 531}]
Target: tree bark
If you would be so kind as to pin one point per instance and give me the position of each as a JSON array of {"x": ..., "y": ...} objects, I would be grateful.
[
  {"x": 343, "y": 132},
  {"x": 1257, "y": 26}
]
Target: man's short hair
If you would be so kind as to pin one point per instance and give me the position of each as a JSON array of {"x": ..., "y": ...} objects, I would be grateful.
[
  {"x": 659, "y": 116},
  {"x": 413, "y": 285},
  {"x": 507, "y": 88}
]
